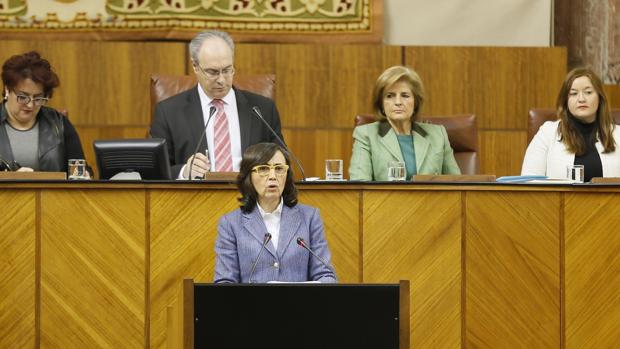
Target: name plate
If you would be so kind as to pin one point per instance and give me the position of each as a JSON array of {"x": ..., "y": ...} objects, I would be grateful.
[
  {"x": 610, "y": 180},
  {"x": 221, "y": 176},
  {"x": 453, "y": 178},
  {"x": 32, "y": 176}
]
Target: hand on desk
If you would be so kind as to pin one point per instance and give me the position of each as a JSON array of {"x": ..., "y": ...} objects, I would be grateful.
[{"x": 199, "y": 168}]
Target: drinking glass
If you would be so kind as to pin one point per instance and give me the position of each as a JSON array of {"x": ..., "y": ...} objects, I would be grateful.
[
  {"x": 396, "y": 171},
  {"x": 77, "y": 169},
  {"x": 575, "y": 172},
  {"x": 333, "y": 169}
]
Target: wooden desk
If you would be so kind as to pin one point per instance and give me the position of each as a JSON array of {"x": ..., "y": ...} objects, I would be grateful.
[{"x": 97, "y": 264}]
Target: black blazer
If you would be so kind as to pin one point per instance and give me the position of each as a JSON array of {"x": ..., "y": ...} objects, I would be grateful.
[
  {"x": 179, "y": 120},
  {"x": 58, "y": 140}
]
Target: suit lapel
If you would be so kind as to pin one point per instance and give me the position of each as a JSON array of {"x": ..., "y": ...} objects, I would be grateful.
[
  {"x": 245, "y": 118},
  {"x": 193, "y": 112},
  {"x": 253, "y": 223},
  {"x": 389, "y": 141},
  {"x": 420, "y": 146},
  {"x": 6, "y": 153},
  {"x": 289, "y": 225},
  {"x": 49, "y": 135}
]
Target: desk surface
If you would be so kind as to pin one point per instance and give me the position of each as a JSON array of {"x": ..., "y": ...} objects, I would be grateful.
[{"x": 313, "y": 185}]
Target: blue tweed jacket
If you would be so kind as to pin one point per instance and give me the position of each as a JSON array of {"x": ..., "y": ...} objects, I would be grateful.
[{"x": 241, "y": 235}]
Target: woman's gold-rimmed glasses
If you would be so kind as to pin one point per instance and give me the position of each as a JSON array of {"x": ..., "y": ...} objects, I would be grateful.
[{"x": 264, "y": 170}]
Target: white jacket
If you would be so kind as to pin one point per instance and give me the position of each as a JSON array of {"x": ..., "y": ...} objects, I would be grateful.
[{"x": 547, "y": 155}]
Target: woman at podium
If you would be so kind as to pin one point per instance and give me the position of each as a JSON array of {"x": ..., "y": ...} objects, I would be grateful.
[
  {"x": 33, "y": 137},
  {"x": 271, "y": 237}
]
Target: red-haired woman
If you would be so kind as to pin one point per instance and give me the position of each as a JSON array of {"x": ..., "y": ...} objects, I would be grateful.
[{"x": 33, "y": 137}]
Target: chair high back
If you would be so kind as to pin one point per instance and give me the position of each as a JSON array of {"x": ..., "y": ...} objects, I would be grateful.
[
  {"x": 164, "y": 86},
  {"x": 538, "y": 116},
  {"x": 462, "y": 134}
]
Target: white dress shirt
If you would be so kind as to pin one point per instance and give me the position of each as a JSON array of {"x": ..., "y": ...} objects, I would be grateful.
[{"x": 272, "y": 222}]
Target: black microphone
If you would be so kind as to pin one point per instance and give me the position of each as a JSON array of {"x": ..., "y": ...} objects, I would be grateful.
[
  {"x": 260, "y": 116},
  {"x": 303, "y": 244},
  {"x": 9, "y": 165},
  {"x": 202, "y": 136},
  {"x": 266, "y": 240}
]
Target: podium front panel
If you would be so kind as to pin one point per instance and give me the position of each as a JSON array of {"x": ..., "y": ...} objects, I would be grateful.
[{"x": 296, "y": 316}]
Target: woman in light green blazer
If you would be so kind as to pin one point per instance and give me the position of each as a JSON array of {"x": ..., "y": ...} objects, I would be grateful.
[{"x": 397, "y": 136}]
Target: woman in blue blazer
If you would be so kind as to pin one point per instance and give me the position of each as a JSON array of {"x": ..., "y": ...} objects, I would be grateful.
[
  {"x": 262, "y": 240},
  {"x": 397, "y": 135}
]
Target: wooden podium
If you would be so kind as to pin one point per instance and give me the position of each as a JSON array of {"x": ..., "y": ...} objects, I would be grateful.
[{"x": 299, "y": 315}]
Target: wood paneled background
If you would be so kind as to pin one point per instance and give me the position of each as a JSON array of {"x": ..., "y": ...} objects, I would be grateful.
[{"x": 319, "y": 89}]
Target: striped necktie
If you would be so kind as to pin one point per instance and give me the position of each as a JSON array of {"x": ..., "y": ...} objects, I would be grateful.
[{"x": 221, "y": 138}]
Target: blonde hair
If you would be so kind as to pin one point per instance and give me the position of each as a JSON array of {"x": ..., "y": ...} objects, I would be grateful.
[{"x": 389, "y": 77}]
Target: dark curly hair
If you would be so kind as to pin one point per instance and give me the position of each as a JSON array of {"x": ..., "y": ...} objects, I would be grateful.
[
  {"x": 260, "y": 154},
  {"x": 29, "y": 65}
]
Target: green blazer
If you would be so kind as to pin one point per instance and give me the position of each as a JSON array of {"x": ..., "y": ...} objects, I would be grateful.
[{"x": 375, "y": 144}]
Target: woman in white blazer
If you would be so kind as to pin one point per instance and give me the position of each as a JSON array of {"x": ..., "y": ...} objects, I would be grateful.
[{"x": 584, "y": 134}]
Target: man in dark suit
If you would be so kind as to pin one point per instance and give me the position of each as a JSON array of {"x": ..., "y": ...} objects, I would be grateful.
[{"x": 233, "y": 127}]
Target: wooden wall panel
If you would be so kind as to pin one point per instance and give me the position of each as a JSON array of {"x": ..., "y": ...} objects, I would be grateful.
[
  {"x": 313, "y": 147},
  {"x": 340, "y": 212},
  {"x": 183, "y": 232},
  {"x": 119, "y": 93},
  {"x": 93, "y": 266},
  {"x": 416, "y": 236},
  {"x": 104, "y": 83},
  {"x": 498, "y": 84},
  {"x": 325, "y": 86},
  {"x": 502, "y": 152},
  {"x": 17, "y": 269},
  {"x": 592, "y": 263},
  {"x": 613, "y": 94},
  {"x": 255, "y": 59},
  {"x": 512, "y": 270}
]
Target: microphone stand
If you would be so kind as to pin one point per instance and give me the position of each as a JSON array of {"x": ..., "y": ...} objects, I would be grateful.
[
  {"x": 202, "y": 136},
  {"x": 266, "y": 240},
  {"x": 302, "y": 243},
  {"x": 260, "y": 116}
]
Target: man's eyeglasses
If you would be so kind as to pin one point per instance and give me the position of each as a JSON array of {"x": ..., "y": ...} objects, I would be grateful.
[
  {"x": 25, "y": 99},
  {"x": 215, "y": 73},
  {"x": 264, "y": 170}
]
